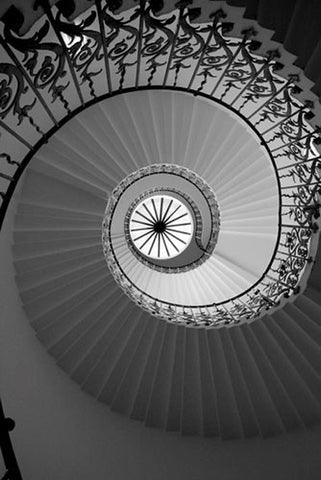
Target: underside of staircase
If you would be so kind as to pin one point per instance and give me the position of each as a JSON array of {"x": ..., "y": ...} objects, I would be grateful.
[
  {"x": 261, "y": 378},
  {"x": 256, "y": 379}
]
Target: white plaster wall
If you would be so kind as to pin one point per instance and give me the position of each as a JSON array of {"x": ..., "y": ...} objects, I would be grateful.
[{"x": 63, "y": 434}]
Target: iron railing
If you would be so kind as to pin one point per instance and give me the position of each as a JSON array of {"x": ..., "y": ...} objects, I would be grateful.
[
  {"x": 10, "y": 462},
  {"x": 59, "y": 68}
]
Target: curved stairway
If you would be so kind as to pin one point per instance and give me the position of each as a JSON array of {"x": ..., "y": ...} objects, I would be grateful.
[{"x": 261, "y": 378}]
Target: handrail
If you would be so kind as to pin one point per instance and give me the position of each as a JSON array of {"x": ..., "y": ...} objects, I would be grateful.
[
  {"x": 60, "y": 68},
  {"x": 10, "y": 461}
]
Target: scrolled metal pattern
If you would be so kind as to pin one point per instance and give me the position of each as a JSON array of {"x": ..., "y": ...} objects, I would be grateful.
[{"x": 43, "y": 80}]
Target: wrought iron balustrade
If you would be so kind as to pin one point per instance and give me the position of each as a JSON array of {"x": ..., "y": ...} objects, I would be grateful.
[{"x": 59, "y": 68}]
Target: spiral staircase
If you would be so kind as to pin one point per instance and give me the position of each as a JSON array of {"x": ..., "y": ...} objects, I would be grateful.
[{"x": 230, "y": 347}]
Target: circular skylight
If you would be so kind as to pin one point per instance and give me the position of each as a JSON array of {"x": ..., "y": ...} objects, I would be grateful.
[{"x": 161, "y": 227}]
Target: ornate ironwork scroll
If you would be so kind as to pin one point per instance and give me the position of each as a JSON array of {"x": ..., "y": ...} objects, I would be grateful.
[
  {"x": 58, "y": 68},
  {"x": 43, "y": 60},
  {"x": 84, "y": 45}
]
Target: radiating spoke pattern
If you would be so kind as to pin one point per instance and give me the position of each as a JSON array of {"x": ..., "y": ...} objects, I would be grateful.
[{"x": 161, "y": 227}]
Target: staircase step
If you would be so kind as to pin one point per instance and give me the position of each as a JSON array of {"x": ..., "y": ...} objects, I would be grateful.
[
  {"x": 230, "y": 422},
  {"x": 267, "y": 416},
  {"x": 94, "y": 353},
  {"x": 141, "y": 401},
  {"x": 243, "y": 399},
  {"x": 85, "y": 348},
  {"x": 191, "y": 395},
  {"x": 274, "y": 379},
  {"x": 156, "y": 413},
  {"x": 129, "y": 383},
  {"x": 115, "y": 370},
  {"x": 173, "y": 422},
  {"x": 209, "y": 410}
]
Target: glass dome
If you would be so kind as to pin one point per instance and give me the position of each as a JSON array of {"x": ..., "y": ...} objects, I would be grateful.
[{"x": 161, "y": 227}]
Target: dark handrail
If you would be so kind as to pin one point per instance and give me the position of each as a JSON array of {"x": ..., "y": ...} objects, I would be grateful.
[
  {"x": 9, "y": 458},
  {"x": 65, "y": 67}
]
